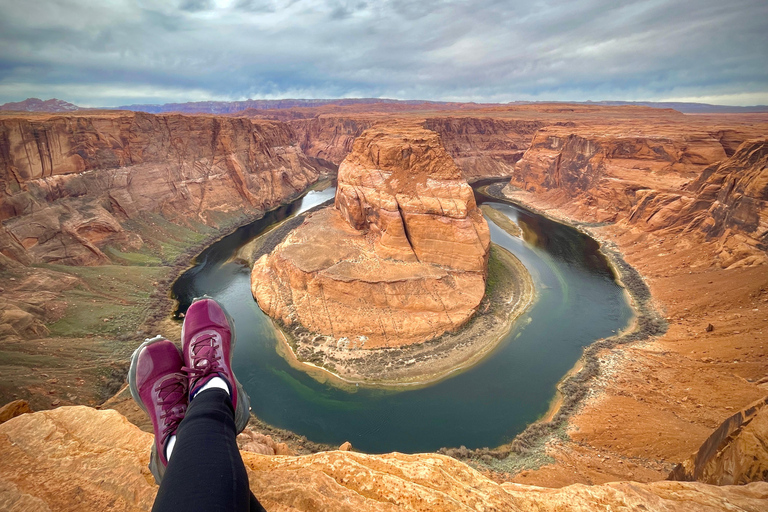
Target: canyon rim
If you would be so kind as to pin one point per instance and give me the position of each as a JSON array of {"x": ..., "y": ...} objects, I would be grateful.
[{"x": 111, "y": 206}]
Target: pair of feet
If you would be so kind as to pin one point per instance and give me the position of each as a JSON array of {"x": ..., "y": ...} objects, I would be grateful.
[{"x": 163, "y": 378}]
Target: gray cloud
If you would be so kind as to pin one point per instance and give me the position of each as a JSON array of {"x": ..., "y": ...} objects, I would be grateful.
[
  {"x": 486, "y": 50},
  {"x": 197, "y": 5}
]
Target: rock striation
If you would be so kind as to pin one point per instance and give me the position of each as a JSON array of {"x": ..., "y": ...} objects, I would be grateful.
[
  {"x": 485, "y": 147},
  {"x": 728, "y": 202},
  {"x": 330, "y": 137},
  {"x": 68, "y": 184},
  {"x": 400, "y": 259},
  {"x": 78, "y": 458},
  {"x": 734, "y": 454},
  {"x": 662, "y": 182}
]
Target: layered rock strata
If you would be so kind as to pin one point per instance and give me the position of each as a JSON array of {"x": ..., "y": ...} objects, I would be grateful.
[
  {"x": 485, "y": 147},
  {"x": 695, "y": 232},
  {"x": 330, "y": 137},
  {"x": 735, "y": 453},
  {"x": 690, "y": 181},
  {"x": 600, "y": 171},
  {"x": 69, "y": 183},
  {"x": 400, "y": 259},
  {"x": 728, "y": 202},
  {"x": 80, "y": 458}
]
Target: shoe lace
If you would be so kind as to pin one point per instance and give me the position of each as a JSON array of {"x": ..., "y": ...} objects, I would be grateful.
[
  {"x": 172, "y": 395},
  {"x": 205, "y": 358}
]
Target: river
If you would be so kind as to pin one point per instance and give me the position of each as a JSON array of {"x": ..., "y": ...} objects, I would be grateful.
[{"x": 577, "y": 302}]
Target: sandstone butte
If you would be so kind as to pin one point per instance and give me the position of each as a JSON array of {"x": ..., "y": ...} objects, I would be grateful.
[
  {"x": 401, "y": 258},
  {"x": 673, "y": 193}
]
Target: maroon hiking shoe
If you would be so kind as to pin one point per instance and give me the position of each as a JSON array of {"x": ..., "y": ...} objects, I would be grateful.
[
  {"x": 159, "y": 385},
  {"x": 208, "y": 342}
]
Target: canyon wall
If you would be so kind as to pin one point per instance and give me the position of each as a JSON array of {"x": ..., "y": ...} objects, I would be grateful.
[
  {"x": 485, "y": 147},
  {"x": 728, "y": 203},
  {"x": 401, "y": 258},
  {"x": 655, "y": 181},
  {"x": 328, "y": 137},
  {"x": 69, "y": 183}
]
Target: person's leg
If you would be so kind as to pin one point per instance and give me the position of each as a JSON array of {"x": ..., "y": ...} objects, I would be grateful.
[{"x": 205, "y": 471}]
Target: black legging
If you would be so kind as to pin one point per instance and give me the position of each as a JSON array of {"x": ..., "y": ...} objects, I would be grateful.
[{"x": 206, "y": 472}]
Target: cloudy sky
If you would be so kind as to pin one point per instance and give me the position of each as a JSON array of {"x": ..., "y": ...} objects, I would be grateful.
[{"x": 115, "y": 52}]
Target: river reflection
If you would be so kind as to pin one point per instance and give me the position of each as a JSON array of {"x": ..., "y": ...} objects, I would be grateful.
[{"x": 578, "y": 301}]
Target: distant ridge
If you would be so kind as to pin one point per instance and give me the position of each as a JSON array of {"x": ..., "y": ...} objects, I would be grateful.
[
  {"x": 231, "y": 107},
  {"x": 38, "y": 105},
  {"x": 686, "y": 108}
]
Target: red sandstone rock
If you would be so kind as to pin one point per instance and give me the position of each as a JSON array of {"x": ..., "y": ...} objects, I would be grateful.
[
  {"x": 402, "y": 258},
  {"x": 735, "y": 453},
  {"x": 78, "y": 458},
  {"x": 13, "y": 409},
  {"x": 329, "y": 137},
  {"x": 67, "y": 183},
  {"x": 483, "y": 146},
  {"x": 728, "y": 202}
]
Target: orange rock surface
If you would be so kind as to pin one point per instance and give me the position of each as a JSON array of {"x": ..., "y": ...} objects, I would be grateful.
[
  {"x": 78, "y": 458},
  {"x": 735, "y": 453},
  {"x": 401, "y": 258},
  {"x": 68, "y": 183}
]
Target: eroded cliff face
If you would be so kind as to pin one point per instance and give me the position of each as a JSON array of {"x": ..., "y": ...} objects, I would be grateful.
[
  {"x": 69, "y": 184},
  {"x": 402, "y": 257},
  {"x": 84, "y": 459},
  {"x": 728, "y": 203},
  {"x": 328, "y": 137},
  {"x": 485, "y": 147},
  {"x": 664, "y": 182},
  {"x": 128, "y": 194},
  {"x": 735, "y": 453},
  {"x": 603, "y": 170}
]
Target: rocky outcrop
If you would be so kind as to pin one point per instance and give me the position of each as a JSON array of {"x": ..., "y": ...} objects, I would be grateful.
[
  {"x": 68, "y": 184},
  {"x": 485, "y": 147},
  {"x": 405, "y": 246},
  {"x": 735, "y": 453},
  {"x": 655, "y": 182},
  {"x": 13, "y": 409},
  {"x": 728, "y": 202},
  {"x": 402, "y": 185},
  {"x": 481, "y": 147},
  {"x": 78, "y": 458},
  {"x": 587, "y": 161}
]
